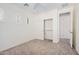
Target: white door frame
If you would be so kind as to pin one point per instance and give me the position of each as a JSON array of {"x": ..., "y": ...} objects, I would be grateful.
[
  {"x": 66, "y": 10},
  {"x": 49, "y": 19}
]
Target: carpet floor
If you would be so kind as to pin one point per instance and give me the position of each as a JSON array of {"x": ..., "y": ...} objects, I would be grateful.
[{"x": 41, "y": 47}]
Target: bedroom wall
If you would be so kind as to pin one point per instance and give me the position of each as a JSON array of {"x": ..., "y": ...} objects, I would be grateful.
[
  {"x": 47, "y": 15},
  {"x": 76, "y": 14},
  {"x": 13, "y": 33}
]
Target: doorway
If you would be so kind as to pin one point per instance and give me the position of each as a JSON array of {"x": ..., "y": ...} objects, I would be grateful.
[
  {"x": 48, "y": 29},
  {"x": 66, "y": 27}
]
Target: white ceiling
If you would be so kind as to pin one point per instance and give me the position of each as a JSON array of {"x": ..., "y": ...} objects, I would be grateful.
[{"x": 39, "y": 7}]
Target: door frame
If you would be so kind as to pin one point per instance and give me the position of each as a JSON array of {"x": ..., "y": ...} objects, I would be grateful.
[
  {"x": 68, "y": 10},
  {"x": 44, "y": 24}
]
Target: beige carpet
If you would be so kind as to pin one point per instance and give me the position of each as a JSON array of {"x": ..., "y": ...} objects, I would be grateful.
[{"x": 41, "y": 47}]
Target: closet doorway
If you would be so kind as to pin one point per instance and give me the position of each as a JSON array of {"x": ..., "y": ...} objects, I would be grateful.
[
  {"x": 66, "y": 26},
  {"x": 48, "y": 29}
]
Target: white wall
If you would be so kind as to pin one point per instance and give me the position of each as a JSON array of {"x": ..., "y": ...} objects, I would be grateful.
[
  {"x": 11, "y": 33},
  {"x": 76, "y": 13},
  {"x": 47, "y": 15}
]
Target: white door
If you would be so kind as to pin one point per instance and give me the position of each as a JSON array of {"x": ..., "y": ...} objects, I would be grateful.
[
  {"x": 66, "y": 27},
  {"x": 48, "y": 29}
]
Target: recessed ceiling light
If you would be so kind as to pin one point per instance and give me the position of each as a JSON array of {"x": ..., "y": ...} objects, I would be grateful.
[{"x": 26, "y": 4}]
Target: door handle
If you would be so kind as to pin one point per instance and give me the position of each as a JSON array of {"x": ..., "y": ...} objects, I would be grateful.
[{"x": 71, "y": 32}]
